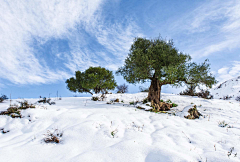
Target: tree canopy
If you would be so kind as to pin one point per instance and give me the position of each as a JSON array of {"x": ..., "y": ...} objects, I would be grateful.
[
  {"x": 149, "y": 59},
  {"x": 94, "y": 79},
  {"x": 160, "y": 62},
  {"x": 198, "y": 74}
]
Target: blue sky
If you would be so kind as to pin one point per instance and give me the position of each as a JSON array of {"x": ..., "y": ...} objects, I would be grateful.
[{"x": 44, "y": 42}]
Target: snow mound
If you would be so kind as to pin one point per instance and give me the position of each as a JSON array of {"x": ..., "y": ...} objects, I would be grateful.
[
  {"x": 230, "y": 88},
  {"x": 119, "y": 132}
]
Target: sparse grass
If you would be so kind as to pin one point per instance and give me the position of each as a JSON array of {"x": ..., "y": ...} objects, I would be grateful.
[
  {"x": 114, "y": 132},
  {"x": 222, "y": 123},
  {"x": 169, "y": 101},
  {"x": 231, "y": 152},
  {"x": 174, "y": 105},
  {"x": 139, "y": 107},
  {"x": 3, "y": 131},
  {"x": 227, "y": 97}
]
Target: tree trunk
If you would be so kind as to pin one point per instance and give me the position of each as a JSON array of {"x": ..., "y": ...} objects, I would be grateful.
[
  {"x": 192, "y": 90},
  {"x": 154, "y": 93}
]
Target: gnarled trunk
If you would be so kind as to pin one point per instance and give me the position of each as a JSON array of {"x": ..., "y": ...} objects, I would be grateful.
[
  {"x": 154, "y": 93},
  {"x": 154, "y": 96}
]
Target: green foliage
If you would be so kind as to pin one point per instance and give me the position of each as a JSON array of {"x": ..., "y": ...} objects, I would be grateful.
[
  {"x": 2, "y": 98},
  {"x": 161, "y": 101},
  {"x": 156, "y": 58},
  {"x": 174, "y": 105},
  {"x": 169, "y": 101},
  {"x": 96, "y": 79},
  {"x": 131, "y": 103},
  {"x": 196, "y": 75},
  {"x": 113, "y": 133}
]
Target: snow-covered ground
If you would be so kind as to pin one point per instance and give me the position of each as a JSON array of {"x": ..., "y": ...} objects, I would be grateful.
[
  {"x": 229, "y": 88},
  {"x": 88, "y": 128}
]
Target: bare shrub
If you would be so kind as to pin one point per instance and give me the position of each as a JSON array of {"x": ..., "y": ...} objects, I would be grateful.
[
  {"x": 237, "y": 98},
  {"x": 95, "y": 98},
  {"x": 45, "y": 100},
  {"x": 193, "y": 113},
  {"x": 15, "y": 110},
  {"x": 227, "y": 97},
  {"x": 25, "y": 105},
  {"x": 205, "y": 94},
  {"x": 53, "y": 136},
  {"x": 202, "y": 94},
  {"x": 122, "y": 88}
]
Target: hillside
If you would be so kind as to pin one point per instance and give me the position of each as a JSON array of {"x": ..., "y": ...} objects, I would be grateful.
[
  {"x": 120, "y": 132},
  {"x": 229, "y": 88}
]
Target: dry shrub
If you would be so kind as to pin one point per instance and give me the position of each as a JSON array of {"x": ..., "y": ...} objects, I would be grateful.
[
  {"x": 237, "y": 98},
  {"x": 193, "y": 113},
  {"x": 15, "y": 111},
  {"x": 25, "y": 105},
  {"x": 117, "y": 100},
  {"x": 95, "y": 98},
  {"x": 53, "y": 137},
  {"x": 227, "y": 97},
  {"x": 45, "y": 100}
]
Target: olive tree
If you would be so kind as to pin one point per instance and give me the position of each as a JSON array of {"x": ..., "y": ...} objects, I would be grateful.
[
  {"x": 94, "y": 79},
  {"x": 158, "y": 61},
  {"x": 198, "y": 74}
]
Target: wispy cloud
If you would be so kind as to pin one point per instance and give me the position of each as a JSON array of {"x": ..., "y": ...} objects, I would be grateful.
[
  {"x": 228, "y": 72},
  {"x": 109, "y": 45},
  {"x": 75, "y": 21},
  {"x": 215, "y": 26}
]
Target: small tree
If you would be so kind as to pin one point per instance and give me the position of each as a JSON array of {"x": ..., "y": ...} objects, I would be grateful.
[
  {"x": 155, "y": 60},
  {"x": 197, "y": 75},
  {"x": 122, "y": 88},
  {"x": 2, "y": 98},
  {"x": 94, "y": 79}
]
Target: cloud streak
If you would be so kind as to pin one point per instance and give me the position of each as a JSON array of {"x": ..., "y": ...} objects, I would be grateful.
[
  {"x": 80, "y": 22},
  {"x": 215, "y": 26},
  {"x": 228, "y": 72}
]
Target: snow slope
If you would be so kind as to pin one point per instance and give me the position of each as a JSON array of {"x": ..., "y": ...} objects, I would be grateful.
[
  {"x": 139, "y": 135},
  {"x": 230, "y": 87}
]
